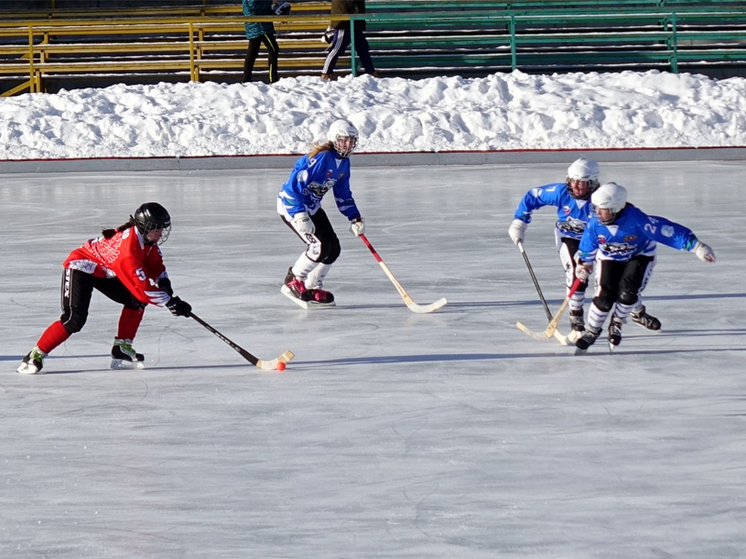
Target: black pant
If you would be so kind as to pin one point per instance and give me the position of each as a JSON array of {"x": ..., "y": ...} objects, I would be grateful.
[
  {"x": 323, "y": 245},
  {"x": 339, "y": 45},
  {"x": 273, "y": 49},
  {"x": 621, "y": 281},
  {"x": 76, "y": 292}
]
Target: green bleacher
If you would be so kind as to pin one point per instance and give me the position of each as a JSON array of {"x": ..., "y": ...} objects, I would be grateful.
[{"x": 67, "y": 43}]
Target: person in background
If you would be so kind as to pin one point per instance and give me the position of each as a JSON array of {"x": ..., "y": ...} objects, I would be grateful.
[
  {"x": 326, "y": 167},
  {"x": 126, "y": 265},
  {"x": 574, "y": 210},
  {"x": 262, "y": 32},
  {"x": 621, "y": 240},
  {"x": 341, "y": 37}
]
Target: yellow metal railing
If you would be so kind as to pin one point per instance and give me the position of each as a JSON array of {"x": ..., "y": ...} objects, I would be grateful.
[
  {"x": 193, "y": 40},
  {"x": 457, "y": 41}
]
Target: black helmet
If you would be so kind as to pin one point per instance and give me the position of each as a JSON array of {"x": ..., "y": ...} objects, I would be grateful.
[{"x": 150, "y": 216}]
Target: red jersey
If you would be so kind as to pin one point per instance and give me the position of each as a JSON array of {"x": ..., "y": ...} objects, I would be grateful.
[{"x": 125, "y": 256}]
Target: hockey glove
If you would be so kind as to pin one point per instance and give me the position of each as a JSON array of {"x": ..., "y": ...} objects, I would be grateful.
[
  {"x": 179, "y": 307},
  {"x": 165, "y": 285},
  {"x": 283, "y": 9},
  {"x": 303, "y": 223},
  {"x": 583, "y": 270},
  {"x": 357, "y": 226},
  {"x": 517, "y": 231},
  {"x": 704, "y": 252}
]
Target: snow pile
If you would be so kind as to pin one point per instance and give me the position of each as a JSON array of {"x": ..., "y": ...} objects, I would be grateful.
[{"x": 498, "y": 112}]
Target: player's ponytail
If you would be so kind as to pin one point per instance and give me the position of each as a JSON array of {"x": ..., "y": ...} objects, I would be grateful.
[
  {"x": 109, "y": 233},
  {"x": 318, "y": 148}
]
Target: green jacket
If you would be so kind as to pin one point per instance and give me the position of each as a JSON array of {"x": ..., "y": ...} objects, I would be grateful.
[{"x": 258, "y": 8}]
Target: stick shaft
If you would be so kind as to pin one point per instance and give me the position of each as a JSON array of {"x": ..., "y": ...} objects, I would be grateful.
[
  {"x": 245, "y": 354},
  {"x": 549, "y": 332},
  {"x": 536, "y": 282},
  {"x": 399, "y": 287}
]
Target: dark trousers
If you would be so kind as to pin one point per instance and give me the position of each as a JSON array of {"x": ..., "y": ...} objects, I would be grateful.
[
  {"x": 621, "y": 281},
  {"x": 76, "y": 292},
  {"x": 339, "y": 45},
  {"x": 272, "y": 51},
  {"x": 323, "y": 245}
]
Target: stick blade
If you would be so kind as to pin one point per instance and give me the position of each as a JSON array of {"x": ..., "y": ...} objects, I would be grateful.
[
  {"x": 272, "y": 365},
  {"x": 562, "y": 339},
  {"x": 557, "y": 335},
  {"x": 424, "y": 309},
  {"x": 526, "y": 330}
]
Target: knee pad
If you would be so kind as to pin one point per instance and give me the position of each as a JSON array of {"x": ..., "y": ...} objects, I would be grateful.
[
  {"x": 628, "y": 298},
  {"x": 74, "y": 322},
  {"x": 330, "y": 252},
  {"x": 603, "y": 302}
]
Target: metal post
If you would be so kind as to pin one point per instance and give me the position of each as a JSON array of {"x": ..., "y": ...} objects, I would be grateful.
[
  {"x": 513, "y": 55},
  {"x": 675, "y": 56},
  {"x": 32, "y": 82},
  {"x": 193, "y": 73},
  {"x": 353, "y": 62}
]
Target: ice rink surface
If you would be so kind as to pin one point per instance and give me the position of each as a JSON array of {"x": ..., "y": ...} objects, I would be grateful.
[{"x": 391, "y": 434}]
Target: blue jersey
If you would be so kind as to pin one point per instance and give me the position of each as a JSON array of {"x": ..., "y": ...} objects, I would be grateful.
[
  {"x": 572, "y": 213},
  {"x": 311, "y": 178},
  {"x": 632, "y": 233}
]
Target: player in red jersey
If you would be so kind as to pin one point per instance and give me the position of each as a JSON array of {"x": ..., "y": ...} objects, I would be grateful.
[{"x": 126, "y": 265}]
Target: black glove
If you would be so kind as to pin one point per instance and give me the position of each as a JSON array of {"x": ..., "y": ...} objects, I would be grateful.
[
  {"x": 165, "y": 285},
  {"x": 179, "y": 307},
  {"x": 283, "y": 9}
]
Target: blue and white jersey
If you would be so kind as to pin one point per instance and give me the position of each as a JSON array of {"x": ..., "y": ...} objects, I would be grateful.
[
  {"x": 572, "y": 213},
  {"x": 633, "y": 233},
  {"x": 310, "y": 179}
]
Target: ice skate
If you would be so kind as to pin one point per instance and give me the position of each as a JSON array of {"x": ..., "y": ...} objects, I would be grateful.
[
  {"x": 289, "y": 276},
  {"x": 639, "y": 316},
  {"x": 124, "y": 356},
  {"x": 577, "y": 325},
  {"x": 296, "y": 291},
  {"x": 615, "y": 333},
  {"x": 586, "y": 340},
  {"x": 33, "y": 362},
  {"x": 320, "y": 298}
]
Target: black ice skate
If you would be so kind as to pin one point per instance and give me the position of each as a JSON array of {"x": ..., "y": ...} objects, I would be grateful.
[
  {"x": 320, "y": 298},
  {"x": 615, "y": 333},
  {"x": 586, "y": 340},
  {"x": 644, "y": 319},
  {"x": 124, "y": 356},
  {"x": 296, "y": 291},
  {"x": 33, "y": 362},
  {"x": 577, "y": 325},
  {"x": 576, "y": 320}
]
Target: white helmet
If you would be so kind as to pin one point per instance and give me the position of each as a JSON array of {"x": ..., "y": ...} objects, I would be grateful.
[
  {"x": 610, "y": 196},
  {"x": 339, "y": 130},
  {"x": 584, "y": 170}
]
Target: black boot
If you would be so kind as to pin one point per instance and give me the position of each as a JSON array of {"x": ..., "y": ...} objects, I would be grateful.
[
  {"x": 576, "y": 320},
  {"x": 615, "y": 332},
  {"x": 124, "y": 356},
  {"x": 587, "y": 340},
  {"x": 644, "y": 319}
]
